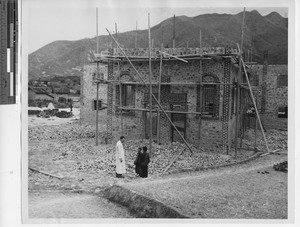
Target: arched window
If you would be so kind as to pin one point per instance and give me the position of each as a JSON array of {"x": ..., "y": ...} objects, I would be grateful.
[{"x": 210, "y": 96}]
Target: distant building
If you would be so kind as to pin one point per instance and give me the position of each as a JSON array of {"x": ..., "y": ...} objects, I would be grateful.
[{"x": 61, "y": 92}]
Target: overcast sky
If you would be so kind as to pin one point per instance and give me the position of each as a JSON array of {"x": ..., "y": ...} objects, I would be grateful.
[{"x": 45, "y": 21}]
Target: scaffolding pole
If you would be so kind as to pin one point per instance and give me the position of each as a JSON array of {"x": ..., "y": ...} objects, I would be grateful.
[
  {"x": 157, "y": 110},
  {"x": 200, "y": 90},
  {"x": 255, "y": 133},
  {"x": 159, "y": 94},
  {"x": 120, "y": 86},
  {"x": 174, "y": 31},
  {"x": 97, "y": 98},
  {"x": 150, "y": 86},
  {"x": 254, "y": 103},
  {"x": 237, "y": 125},
  {"x": 141, "y": 78},
  {"x": 136, "y": 34}
]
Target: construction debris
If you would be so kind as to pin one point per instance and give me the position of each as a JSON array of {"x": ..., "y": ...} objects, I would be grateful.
[
  {"x": 86, "y": 157},
  {"x": 64, "y": 132},
  {"x": 75, "y": 145},
  {"x": 277, "y": 140},
  {"x": 43, "y": 172},
  {"x": 282, "y": 166}
]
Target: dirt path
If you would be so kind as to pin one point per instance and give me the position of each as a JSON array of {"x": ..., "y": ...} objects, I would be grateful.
[
  {"x": 244, "y": 191},
  {"x": 56, "y": 204}
]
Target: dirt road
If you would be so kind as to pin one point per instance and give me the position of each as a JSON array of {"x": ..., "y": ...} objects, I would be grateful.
[
  {"x": 68, "y": 205},
  {"x": 253, "y": 190}
]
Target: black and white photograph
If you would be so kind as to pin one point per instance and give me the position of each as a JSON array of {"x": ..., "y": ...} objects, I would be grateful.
[{"x": 150, "y": 111}]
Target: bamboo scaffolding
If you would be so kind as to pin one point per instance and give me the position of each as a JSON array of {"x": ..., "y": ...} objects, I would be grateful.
[
  {"x": 255, "y": 107},
  {"x": 172, "y": 56},
  {"x": 148, "y": 89},
  {"x": 237, "y": 124},
  {"x": 155, "y": 110},
  {"x": 105, "y": 58},
  {"x": 163, "y": 83}
]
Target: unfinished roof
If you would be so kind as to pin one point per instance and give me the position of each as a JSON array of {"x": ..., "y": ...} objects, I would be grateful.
[{"x": 142, "y": 54}]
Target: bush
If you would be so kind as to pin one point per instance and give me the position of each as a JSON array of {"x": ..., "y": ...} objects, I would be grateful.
[
  {"x": 62, "y": 100},
  {"x": 60, "y": 105},
  {"x": 64, "y": 114},
  {"x": 34, "y": 112},
  {"x": 38, "y": 102}
]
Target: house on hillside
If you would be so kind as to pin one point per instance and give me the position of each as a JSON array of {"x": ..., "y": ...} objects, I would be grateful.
[
  {"x": 35, "y": 93},
  {"x": 63, "y": 92}
]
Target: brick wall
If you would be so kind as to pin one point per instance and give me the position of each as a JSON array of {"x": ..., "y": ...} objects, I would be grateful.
[
  {"x": 88, "y": 94},
  {"x": 275, "y": 96}
]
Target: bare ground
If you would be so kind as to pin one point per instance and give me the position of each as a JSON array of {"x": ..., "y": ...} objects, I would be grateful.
[
  {"x": 244, "y": 191},
  {"x": 232, "y": 192},
  {"x": 61, "y": 204}
]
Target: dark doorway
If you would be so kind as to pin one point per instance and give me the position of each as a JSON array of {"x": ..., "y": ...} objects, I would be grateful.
[
  {"x": 147, "y": 125},
  {"x": 179, "y": 120}
]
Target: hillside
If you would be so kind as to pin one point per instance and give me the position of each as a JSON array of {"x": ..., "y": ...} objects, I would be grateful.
[{"x": 263, "y": 32}]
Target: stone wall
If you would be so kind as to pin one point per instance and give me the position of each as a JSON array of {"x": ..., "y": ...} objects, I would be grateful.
[{"x": 275, "y": 96}]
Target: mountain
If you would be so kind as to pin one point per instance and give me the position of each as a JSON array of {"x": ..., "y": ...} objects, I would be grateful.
[{"x": 268, "y": 32}]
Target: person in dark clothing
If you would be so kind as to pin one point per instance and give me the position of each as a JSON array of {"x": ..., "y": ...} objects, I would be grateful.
[
  {"x": 145, "y": 159},
  {"x": 137, "y": 162}
]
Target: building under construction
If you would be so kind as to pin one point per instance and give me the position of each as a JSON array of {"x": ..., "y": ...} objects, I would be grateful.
[
  {"x": 199, "y": 95},
  {"x": 203, "y": 96}
]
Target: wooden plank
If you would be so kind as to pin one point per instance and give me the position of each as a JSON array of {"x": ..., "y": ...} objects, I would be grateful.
[
  {"x": 45, "y": 173},
  {"x": 174, "y": 159},
  {"x": 271, "y": 152},
  {"x": 147, "y": 110}
]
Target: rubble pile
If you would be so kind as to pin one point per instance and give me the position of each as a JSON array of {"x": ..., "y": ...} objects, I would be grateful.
[
  {"x": 75, "y": 144},
  {"x": 64, "y": 114},
  {"x": 87, "y": 157},
  {"x": 282, "y": 166},
  {"x": 64, "y": 132},
  {"x": 276, "y": 140}
]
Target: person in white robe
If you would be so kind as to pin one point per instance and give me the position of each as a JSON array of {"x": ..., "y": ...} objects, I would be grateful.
[{"x": 120, "y": 158}]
